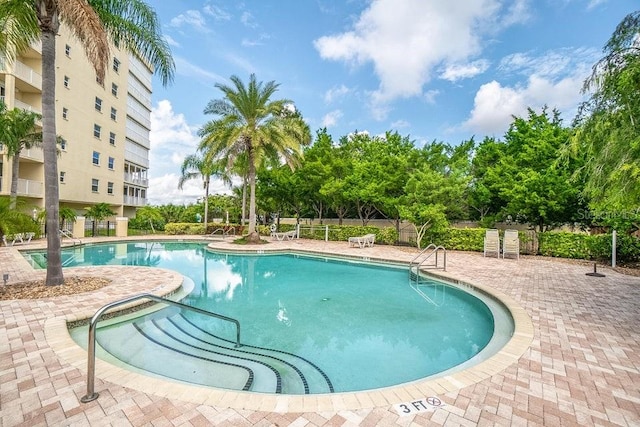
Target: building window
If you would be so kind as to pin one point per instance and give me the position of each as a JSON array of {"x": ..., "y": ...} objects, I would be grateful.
[
  {"x": 67, "y": 50},
  {"x": 94, "y": 185},
  {"x": 98, "y": 104},
  {"x": 114, "y": 89},
  {"x": 111, "y": 162},
  {"x": 97, "y": 130},
  {"x": 66, "y": 82},
  {"x": 116, "y": 65},
  {"x": 96, "y": 158},
  {"x": 112, "y": 138},
  {"x": 63, "y": 144},
  {"x": 62, "y": 176},
  {"x": 109, "y": 187},
  {"x": 65, "y": 113},
  {"x": 114, "y": 113}
]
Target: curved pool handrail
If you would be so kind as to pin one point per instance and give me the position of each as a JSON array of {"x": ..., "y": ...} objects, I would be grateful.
[{"x": 91, "y": 348}]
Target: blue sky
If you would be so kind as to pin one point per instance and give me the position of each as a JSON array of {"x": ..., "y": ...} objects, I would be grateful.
[{"x": 429, "y": 69}]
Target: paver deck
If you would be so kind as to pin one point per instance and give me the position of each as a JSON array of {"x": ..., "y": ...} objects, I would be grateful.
[{"x": 575, "y": 361}]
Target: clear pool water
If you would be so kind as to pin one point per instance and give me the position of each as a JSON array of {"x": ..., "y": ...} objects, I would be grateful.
[{"x": 344, "y": 325}]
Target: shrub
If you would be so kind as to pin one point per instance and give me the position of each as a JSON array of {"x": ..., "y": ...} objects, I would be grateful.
[
  {"x": 176, "y": 228},
  {"x": 584, "y": 246},
  {"x": 460, "y": 239}
]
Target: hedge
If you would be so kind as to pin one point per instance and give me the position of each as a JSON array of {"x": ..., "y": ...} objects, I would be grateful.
[
  {"x": 555, "y": 244},
  {"x": 585, "y": 246}
]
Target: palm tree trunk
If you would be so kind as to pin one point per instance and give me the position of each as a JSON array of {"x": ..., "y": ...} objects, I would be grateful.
[
  {"x": 244, "y": 199},
  {"x": 252, "y": 194},
  {"x": 206, "y": 204},
  {"x": 51, "y": 196},
  {"x": 15, "y": 171}
]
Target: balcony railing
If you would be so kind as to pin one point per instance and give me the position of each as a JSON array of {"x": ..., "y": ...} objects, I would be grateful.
[
  {"x": 27, "y": 187},
  {"x": 134, "y": 201},
  {"x": 132, "y": 179},
  {"x": 27, "y": 74},
  {"x": 25, "y": 106},
  {"x": 32, "y": 154}
]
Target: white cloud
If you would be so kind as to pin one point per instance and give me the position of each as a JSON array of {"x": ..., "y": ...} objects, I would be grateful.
[
  {"x": 172, "y": 139},
  {"x": 595, "y": 3},
  {"x": 405, "y": 40},
  {"x": 518, "y": 12},
  {"x": 246, "y": 42},
  {"x": 399, "y": 124},
  {"x": 551, "y": 64},
  {"x": 248, "y": 20},
  {"x": 335, "y": 92},
  {"x": 495, "y": 105},
  {"x": 192, "y": 19},
  {"x": 169, "y": 128},
  {"x": 331, "y": 119},
  {"x": 187, "y": 69},
  {"x": 554, "y": 79},
  {"x": 218, "y": 13},
  {"x": 455, "y": 72},
  {"x": 171, "y": 41},
  {"x": 430, "y": 96}
]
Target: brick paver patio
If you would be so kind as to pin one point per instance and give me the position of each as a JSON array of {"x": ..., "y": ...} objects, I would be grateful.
[{"x": 580, "y": 366}]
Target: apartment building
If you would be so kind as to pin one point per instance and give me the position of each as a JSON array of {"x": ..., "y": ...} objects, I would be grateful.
[{"x": 104, "y": 156}]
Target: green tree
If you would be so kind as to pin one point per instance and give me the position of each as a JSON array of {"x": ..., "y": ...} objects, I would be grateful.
[
  {"x": 98, "y": 212},
  {"x": 607, "y": 126},
  {"x": 315, "y": 171},
  {"x": 251, "y": 123},
  {"x": 147, "y": 217},
  {"x": 131, "y": 24},
  {"x": 195, "y": 166},
  {"x": 422, "y": 202},
  {"x": 18, "y": 132},
  {"x": 484, "y": 188},
  {"x": 529, "y": 177}
]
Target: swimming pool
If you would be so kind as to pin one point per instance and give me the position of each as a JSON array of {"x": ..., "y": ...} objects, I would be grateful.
[{"x": 309, "y": 324}]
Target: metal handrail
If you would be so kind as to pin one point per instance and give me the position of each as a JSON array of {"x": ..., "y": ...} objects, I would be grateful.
[
  {"x": 91, "y": 350},
  {"x": 229, "y": 231},
  {"x": 68, "y": 235},
  {"x": 434, "y": 250}
]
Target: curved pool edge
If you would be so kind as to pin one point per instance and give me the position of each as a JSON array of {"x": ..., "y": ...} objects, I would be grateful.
[{"x": 57, "y": 336}]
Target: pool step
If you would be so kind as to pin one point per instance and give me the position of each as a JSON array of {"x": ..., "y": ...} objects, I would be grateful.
[
  {"x": 177, "y": 348},
  {"x": 141, "y": 350}
]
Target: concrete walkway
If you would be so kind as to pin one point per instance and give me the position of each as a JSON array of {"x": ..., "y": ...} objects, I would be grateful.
[{"x": 580, "y": 366}]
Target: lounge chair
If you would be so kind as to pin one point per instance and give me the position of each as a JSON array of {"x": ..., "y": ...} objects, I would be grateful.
[
  {"x": 492, "y": 242},
  {"x": 289, "y": 235},
  {"x": 12, "y": 239},
  {"x": 362, "y": 241},
  {"x": 511, "y": 243}
]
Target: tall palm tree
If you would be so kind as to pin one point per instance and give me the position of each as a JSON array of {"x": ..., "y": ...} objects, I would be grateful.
[
  {"x": 251, "y": 123},
  {"x": 18, "y": 132},
  {"x": 195, "y": 166},
  {"x": 132, "y": 24}
]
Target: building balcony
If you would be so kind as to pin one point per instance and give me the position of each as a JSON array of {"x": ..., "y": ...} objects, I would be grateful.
[
  {"x": 133, "y": 179},
  {"x": 27, "y": 74},
  {"x": 26, "y": 107},
  {"x": 30, "y": 188},
  {"x": 34, "y": 154},
  {"x": 134, "y": 201}
]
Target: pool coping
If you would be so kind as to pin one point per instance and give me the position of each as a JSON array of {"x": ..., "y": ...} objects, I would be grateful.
[{"x": 57, "y": 336}]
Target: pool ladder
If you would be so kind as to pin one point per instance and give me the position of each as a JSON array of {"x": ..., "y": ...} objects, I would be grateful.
[
  {"x": 427, "y": 258},
  {"x": 91, "y": 348}
]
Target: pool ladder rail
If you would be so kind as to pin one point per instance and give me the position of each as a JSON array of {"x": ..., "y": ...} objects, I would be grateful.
[
  {"x": 91, "y": 348},
  {"x": 427, "y": 258},
  {"x": 67, "y": 234}
]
